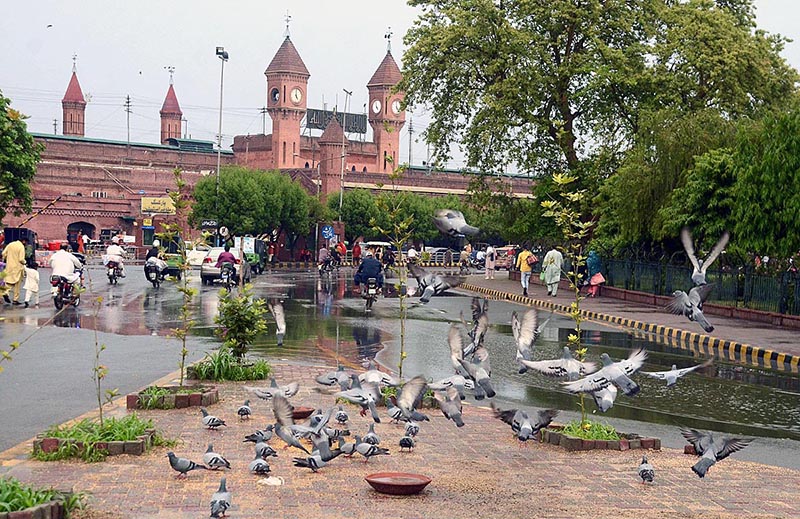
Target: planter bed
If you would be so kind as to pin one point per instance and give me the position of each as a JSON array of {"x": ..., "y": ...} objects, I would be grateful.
[
  {"x": 554, "y": 436},
  {"x": 51, "y": 510},
  {"x": 200, "y": 396},
  {"x": 135, "y": 447}
]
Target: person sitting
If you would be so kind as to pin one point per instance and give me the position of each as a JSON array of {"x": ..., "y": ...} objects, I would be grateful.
[
  {"x": 66, "y": 265},
  {"x": 324, "y": 256},
  {"x": 154, "y": 258},
  {"x": 388, "y": 258},
  {"x": 115, "y": 253},
  {"x": 369, "y": 268},
  {"x": 227, "y": 256},
  {"x": 412, "y": 255},
  {"x": 336, "y": 255}
]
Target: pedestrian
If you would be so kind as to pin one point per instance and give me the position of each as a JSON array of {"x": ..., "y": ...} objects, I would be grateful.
[
  {"x": 85, "y": 239},
  {"x": 81, "y": 243},
  {"x": 31, "y": 285},
  {"x": 593, "y": 266},
  {"x": 525, "y": 261},
  {"x": 491, "y": 258},
  {"x": 388, "y": 259},
  {"x": 271, "y": 252},
  {"x": 14, "y": 256},
  {"x": 552, "y": 264},
  {"x": 356, "y": 253}
]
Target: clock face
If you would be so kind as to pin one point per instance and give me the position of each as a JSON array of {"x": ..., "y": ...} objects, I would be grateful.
[
  {"x": 274, "y": 95},
  {"x": 296, "y": 95},
  {"x": 396, "y": 106},
  {"x": 376, "y": 107}
]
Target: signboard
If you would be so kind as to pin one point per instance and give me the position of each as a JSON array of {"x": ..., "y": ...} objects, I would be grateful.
[
  {"x": 319, "y": 119},
  {"x": 327, "y": 232},
  {"x": 147, "y": 222},
  {"x": 157, "y": 205},
  {"x": 249, "y": 245},
  {"x": 208, "y": 224}
]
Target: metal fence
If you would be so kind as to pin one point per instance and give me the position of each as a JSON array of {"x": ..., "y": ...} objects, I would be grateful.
[{"x": 742, "y": 288}]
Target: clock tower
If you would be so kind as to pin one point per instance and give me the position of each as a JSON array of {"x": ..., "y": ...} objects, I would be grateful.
[
  {"x": 287, "y": 82},
  {"x": 386, "y": 115}
]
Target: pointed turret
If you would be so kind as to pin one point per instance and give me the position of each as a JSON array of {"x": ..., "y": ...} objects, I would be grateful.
[
  {"x": 386, "y": 113},
  {"x": 287, "y": 61},
  {"x": 332, "y": 145},
  {"x": 73, "y": 107},
  {"x": 388, "y": 73},
  {"x": 170, "y": 116}
]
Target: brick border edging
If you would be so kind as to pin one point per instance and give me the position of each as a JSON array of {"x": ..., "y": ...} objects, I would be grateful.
[
  {"x": 729, "y": 350},
  {"x": 51, "y": 510},
  {"x": 209, "y": 396},
  {"x": 571, "y": 443},
  {"x": 133, "y": 447}
]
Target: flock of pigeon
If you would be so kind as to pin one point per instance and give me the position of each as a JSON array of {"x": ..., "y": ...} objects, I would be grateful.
[{"x": 472, "y": 372}]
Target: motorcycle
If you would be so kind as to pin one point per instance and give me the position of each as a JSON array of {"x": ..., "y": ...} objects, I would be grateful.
[
  {"x": 114, "y": 272},
  {"x": 153, "y": 273},
  {"x": 327, "y": 267},
  {"x": 64, "y": 292},
  {"x": 228, "y": 275},
  {"x": 371, "y": 294}
]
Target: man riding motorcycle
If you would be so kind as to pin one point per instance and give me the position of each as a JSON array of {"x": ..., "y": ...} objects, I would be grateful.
[
  {"x": 115, "y": 253},
  {"x": 227, "y": 257},
  {"x": 153, "y": 257},
  {"x": 66, "y": 265},
  {"x": 369, "y": 268}
]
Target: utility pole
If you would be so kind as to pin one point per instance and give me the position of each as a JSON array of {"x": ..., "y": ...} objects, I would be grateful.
[
  {"x": 347, "y": 94},
  {"x": 263, "y": 111},
  {"x": 410, "y": 138},
  {"x": 186, "y": 127},
  {"x": 55, "y": 126},
  {"x": 128, "y": 117}
]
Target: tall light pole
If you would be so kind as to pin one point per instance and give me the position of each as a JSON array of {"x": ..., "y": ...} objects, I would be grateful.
[
  {"x": 347, "y": 94},
  {"x": 222, "y": 54}
]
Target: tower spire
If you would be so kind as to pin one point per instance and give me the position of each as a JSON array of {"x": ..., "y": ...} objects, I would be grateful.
[
  {"x": 287, "y": 18},
  {"x": 388, "y": 37},
  {"x": 74, "y": 62},
  {"x": 171, "y": 70}
]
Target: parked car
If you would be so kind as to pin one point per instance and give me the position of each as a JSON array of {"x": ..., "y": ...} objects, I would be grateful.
[
  {"x": 505, "y": 257},
  {"x": 209, "y": 272}
]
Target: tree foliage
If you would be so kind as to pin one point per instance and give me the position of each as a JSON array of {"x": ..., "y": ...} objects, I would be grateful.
[{"x": 19, "y": 155}]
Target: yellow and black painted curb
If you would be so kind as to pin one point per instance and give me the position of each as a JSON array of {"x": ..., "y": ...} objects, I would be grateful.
[
  {"x": 697, "y": 342},
  {"x": 283, "y": 265}
]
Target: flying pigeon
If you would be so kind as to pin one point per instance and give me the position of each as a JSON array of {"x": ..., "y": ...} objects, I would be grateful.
[
  {"x": 264, "y": 451},
  {"x": 432, "y": 284},
  {"x": 378, "y": 378},
  {"x": 259, "y": 466},
  {"x": 479, "y": 371},
  {"x": 525, "y": 334},
  {"x": 412, "y": 429},
  {"x": 452, "y": 223},
  {"x": 480, "y": 324},
  {"x": 211, "y": 421},
  {"x": 320, "y": 457},
  {"x": 456, "y": 343},
  {"x": 711, "y": 449},
  {"x": 287, "y": 391},
  {"x": 701, "y": 266},
  {"x": 407, "y": 442},
  {"x": 262, "y": 435},
  {"x": 456, "y": 381},
  {"x": 566, "y": 366},
  {"x": 315, "y": 427},
  {"x": 340, "y": 376},
  {"x": 182, "y": 465},
  {"x": 408, "y": 399},
  {"x": 604, "y": 398},
  {"x": 617, "y": 373},
  {"x": 244, "y": 410},
  {"x": 276, "y": 309},
  {"x": 521, "y": 423},
  {"x": 646, "y": 471},
  {"x": 450, "y": 404},
  {"x": 691, "y": 305},
  {"x": 365, "y": 395},
  {"x": 371, "y": 437},
  {"x": 674, "y": 374},
  {"x": 342, "y": 416},
  {"x": 367, "y": 450},
  {"x": 282, "y": 410},
  {"x": 221, "y": 500},
  {"x": 213, "y": 460}
]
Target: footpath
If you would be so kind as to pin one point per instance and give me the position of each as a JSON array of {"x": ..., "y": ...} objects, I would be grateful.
[
  {"x": 733, "y": 339},
  {"x": 480, "y": 470}
]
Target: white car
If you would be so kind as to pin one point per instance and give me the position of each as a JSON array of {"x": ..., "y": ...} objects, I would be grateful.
[
  {"x": 209, "y": 272},
  {"x": 196, "y": 255}
]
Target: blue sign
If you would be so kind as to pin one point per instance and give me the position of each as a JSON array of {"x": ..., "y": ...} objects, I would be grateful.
[{"x": 327, "y": 232}]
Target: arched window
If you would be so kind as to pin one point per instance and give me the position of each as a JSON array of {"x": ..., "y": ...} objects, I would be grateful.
[
  {"x": 364, "y": 170},
  {"x": 307, "y": 165},
  {"x": 354, "y": 169}
]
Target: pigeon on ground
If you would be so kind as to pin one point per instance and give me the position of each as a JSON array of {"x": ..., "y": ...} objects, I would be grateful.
[
  {"x": 617, "y": 373},
  {"x": 711, "y": 449},
  {"x": 371, "y": 437},
  {"x": 264, "y": 451},
  {"x": 566, "y": 366},
  {"x": 335, "y": 434},
  {"x": 282, "y": 410},
  {"x": 701, "y": 266},
  {"x": 315, "y": 418},
  {"x": 646, "y": 471},
  {"x": 320, "y": 457},
  {"x": 456, "y": 381},
  {"x": 221, "y": 500},
  {"x": 276, "y": 309},
  {"x": 479, "y": 370},
  {"x": 452, "y": 223},
  {"x": 365, "y": 395},
  {"x": 604, "y": 398},
  {"x": 367, "y": 450},
  {"x": 342, "y": 416},
  {"x": 409, "y": 398},
  {"x": 412, "y": 429},
  {"x": 340, "y": 376},
  {"x": 182, "y": 465},
  {"x": 262, "y": 435},
  {"x": 214, "y": 460},
  {"x": 525, "y": 334},
  {"x": 450, "y": 404},
  {"x": 348, "y": 449},
  {"x": 432, "y": 284},
  {"x": 378, "y": 378},
  {"x": 407, "y": 442},
  {"x": 244, "y": 411},
  {"x": 259, "y": 466},
  {"x": 289, "y": 390},
  {"x": 211, "y": 421},
  {"x": 523, "y": 426},
  {"x": 691, "y": 305},
  {"x": 674, "y": 374}
]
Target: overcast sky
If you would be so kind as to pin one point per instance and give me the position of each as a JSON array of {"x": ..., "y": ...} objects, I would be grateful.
[{"x": 123, "y": 48}]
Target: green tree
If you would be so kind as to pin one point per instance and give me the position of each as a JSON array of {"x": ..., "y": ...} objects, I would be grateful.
[
  {"x": 19, "y": 155},
  {"x": 358, "y": 209}
]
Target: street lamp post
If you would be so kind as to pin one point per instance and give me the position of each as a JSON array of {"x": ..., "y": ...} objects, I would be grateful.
[
  {"x": 347, "y": 94},
  {"x": 222, "y": 54}
]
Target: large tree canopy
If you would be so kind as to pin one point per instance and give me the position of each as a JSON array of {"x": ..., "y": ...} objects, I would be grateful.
[{"x": 19, "y": 155}]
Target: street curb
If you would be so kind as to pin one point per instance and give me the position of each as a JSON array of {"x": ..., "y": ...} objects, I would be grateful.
[{"x": 697, "y": 342}]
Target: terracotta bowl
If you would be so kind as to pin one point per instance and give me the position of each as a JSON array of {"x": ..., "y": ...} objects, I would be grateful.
[
  {"x": 398, "y": 483},
  {"x": 301, "y": 413}
]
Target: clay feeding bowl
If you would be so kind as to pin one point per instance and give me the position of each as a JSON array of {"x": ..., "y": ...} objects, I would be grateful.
[
  {"x": 398, "y": 483},
  {"x": 301, "y": 413}
]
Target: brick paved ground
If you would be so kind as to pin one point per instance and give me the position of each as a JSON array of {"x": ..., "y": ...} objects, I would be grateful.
[{"x": 479, "y": 470}]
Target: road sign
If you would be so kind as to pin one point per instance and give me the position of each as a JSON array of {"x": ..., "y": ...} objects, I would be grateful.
[
  {"x": 223, "y": 231},
  {"x": 209, "y": 224},
  {"x": 327, "y": 232}
]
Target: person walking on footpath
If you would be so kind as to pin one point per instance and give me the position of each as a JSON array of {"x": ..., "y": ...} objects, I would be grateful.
[
  {"x": 525, "y": 262},
  {"x": 356, "y": 253},
  {"x": 552, "y": 264},
  {"x": 31, "y": 285},
  {"x": 595, "y": 276},
  {"x": 14, "y": 256},
  {"x": 491, "y": 258}
]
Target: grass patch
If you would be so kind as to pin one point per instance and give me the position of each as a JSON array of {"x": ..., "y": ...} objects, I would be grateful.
[
  {"x": 15, "y": 496},
  {"x": 89, "y": 432},
  {"x": 590, "y": 431},
  {"x": 223, "y": 365}
]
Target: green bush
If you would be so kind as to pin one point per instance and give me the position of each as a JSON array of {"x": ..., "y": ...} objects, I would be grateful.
[
  {"x": 240, "y": 319},
  {"x": 15, "y": 496},
  {"x": 223, "y": 365},
  {"x": 590, "y": 430}
]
